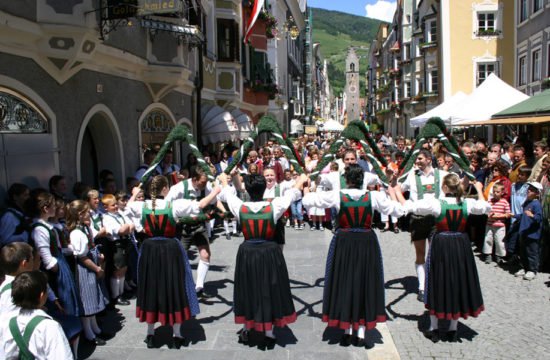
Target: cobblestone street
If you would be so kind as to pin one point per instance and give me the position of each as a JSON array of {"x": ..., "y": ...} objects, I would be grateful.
[{"x": 516, "y": 323}]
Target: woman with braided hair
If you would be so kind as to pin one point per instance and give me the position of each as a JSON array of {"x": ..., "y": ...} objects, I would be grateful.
[
  {"x": 353, "y": 298},
  {"x": 166, "y": 291}
]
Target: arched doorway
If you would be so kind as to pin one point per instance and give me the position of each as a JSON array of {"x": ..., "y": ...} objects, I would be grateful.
[{"x": 99, "y": 147}]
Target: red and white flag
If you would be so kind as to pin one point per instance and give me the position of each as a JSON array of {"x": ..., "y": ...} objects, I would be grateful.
[{"x": 258, "y": 5}]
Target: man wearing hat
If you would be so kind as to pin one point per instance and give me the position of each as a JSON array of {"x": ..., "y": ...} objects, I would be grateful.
[{"x": 530, "y": 231}]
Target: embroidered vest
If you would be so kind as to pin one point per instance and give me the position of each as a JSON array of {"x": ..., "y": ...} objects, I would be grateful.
[
  {"x": 259, "y": 225},
  {"x": 159, "y": 222},
  {"x": 355, "y": 213},
  {"x": 452, "y": 218},
  {"x": 422, "y": 189}
]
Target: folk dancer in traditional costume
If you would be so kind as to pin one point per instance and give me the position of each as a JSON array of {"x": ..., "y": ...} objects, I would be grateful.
[
  {"x": 353, "y": 298},
  {"x": 197, "y": 187},
  {"x": 166, "y": 291},
  {"x": 453, "y": 289},
  {"x": 423, "y": 183},
  {"x": 261, "y": 297}
]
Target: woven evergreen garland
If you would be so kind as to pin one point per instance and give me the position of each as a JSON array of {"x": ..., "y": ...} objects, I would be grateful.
[
  {"x": 181, "y": 133},
  {"x": 435, "y": 128},
  {"x": 267, "y": 124},
  {"x": 356, "y": 130}
]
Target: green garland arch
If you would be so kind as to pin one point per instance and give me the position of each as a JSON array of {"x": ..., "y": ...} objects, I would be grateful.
[
  {"x": 181, "y": 133},
  {"x": 435, "y": 128},
  {"x": 356, "y": 130},
  {"x": 270, "y": 125}
]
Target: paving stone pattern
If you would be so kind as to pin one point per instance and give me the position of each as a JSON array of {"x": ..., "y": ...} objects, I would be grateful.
[{"x": 516, "y": 323}]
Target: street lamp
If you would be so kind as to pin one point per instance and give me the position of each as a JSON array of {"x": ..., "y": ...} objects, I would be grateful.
[{"x": 291, "y": 28}]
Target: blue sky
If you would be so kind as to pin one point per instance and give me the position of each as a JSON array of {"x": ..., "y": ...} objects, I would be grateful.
[{"x": 378, "y": 9}]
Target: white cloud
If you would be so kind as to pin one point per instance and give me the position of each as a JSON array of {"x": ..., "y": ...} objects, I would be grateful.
[{"x": 382, "y": 10}]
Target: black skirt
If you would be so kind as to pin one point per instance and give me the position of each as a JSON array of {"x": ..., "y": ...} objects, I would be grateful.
[
  {"x": 261, "y": 296},
  {"x": 354, "y": 281},
  {"x": 166, "y": 292},
  {"x": 452, "y": 282}
]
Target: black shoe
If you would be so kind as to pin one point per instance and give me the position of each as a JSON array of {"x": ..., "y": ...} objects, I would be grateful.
[
  {"x": 270, "y": 342},
  {"x": 98, "y": 341},
  {"x": 452, "y": 336},
  {"x": 105, "y": 336},
  {"x": 122, "y": 302},
  {"x": 177, "y": 342},
  {"x": 345, "y": 340},
  {"x": 228, "y": 236},
  {"x": 201, "y": 294},
  {"x": 243, "y": 337},
  {"x": 150, "y": 341},
  {"x": 396, "y": 230},
  {"x": 488, "y": 259},
  {"x": 433, "y": 335}
]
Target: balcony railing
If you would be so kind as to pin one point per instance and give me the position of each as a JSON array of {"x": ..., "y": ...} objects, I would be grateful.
[{"x": 487, "y": 32}]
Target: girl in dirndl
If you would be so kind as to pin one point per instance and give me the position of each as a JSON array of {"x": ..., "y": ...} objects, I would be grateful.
[
  {"x": 353, "y": 298},
  {"x": 452, "y": 282},
  {"x": 67, "y": 307},
  {"x": 166, "y": 290},
  {"x": 261, "y": 296},
  {"x": 89, "y": 271}
]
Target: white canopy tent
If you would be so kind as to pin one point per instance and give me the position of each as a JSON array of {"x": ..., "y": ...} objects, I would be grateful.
[
  {"x": 244, "y": 122},
  {"x": 442, "y": 111},
  {"x": 218, "y": 125},
  {"x": 492, "y": 96},
  {"x": 332, "y": 125}
]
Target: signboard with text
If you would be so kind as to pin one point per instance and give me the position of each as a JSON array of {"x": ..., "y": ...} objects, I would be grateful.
[
  {"x": 149, "y": 7},
  {"x": 310, "y": 129},
  {"x": 121, "y": 9}
]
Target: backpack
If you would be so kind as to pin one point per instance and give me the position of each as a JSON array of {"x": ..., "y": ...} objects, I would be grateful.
[{"x": 22, "y": 341}]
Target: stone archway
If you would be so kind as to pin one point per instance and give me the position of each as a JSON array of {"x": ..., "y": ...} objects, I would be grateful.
[{"x": 99, "y": 147}]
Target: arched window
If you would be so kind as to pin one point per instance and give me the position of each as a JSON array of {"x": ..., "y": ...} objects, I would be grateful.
[
  {"x": 352, "y": 67},
  {"x": 155, "y": 127},
  {"x": 18, "y": 115}
]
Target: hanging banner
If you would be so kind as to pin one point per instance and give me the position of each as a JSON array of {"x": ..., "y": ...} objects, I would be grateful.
[
  {"x": 258, "y": 6},
  {"x": 150, "y": 7}
]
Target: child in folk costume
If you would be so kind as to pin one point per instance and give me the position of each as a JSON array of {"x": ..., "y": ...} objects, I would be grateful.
[
  {"x": 60, "y": 276},
  {"x": 353, "y": 298},
  {"x": 132, "y": 249},
  {"x": 262, "y": 297},
  {"x": 117, "y": 255},
  {"x": 272, "y": 191},
  {"x": 32, "y": 334},
  {"x": 166, "y": 291},
  {"x": 16, "y": 258},
  {"x": 452, "y": 282},
  {"x": 58, "y": 222},
  {"x": 89, "y": 271}
]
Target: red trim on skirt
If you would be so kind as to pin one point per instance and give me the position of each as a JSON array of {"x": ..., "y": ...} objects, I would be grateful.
[
  {"x": 457, "y": 315},
  {"x": 251, "y": 324},
  {"x": 154, "y": 317},
  {"x": 346, "y": 325}
]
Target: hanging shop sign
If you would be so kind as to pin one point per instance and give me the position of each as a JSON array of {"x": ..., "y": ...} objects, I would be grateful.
[
  {"x": 121, "y": 9},
  {"x": 149, "y": 7}
]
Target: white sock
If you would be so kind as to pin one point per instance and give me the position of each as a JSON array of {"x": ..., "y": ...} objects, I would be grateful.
[
  {"x": 150, "y": 329},
  {"x": 453, "y": 325},
  {"x": 269, "y": 333},
  {"x": 421, "y": 274},
  {"x": 87, "y": 327},
  {"x": 94, "y": 325},
  {"x": 349, "y": 331},
  {"x": 74, "y": 347},
  {"x": 433, "y": 323},
  {"x": 361, "y": 332},
  {"x": 244, "y": 327},
  {"x": 202, "y": 270},
  {"x": 177, "y": 329},
  {"x": 121, "y": 286},
  {"x": 234, "y": 226},
  {"x": 226, "y": 226},
  {"x": 114, "y": 287}
]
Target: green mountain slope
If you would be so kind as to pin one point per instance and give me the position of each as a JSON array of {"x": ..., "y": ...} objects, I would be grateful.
[{"x": 336, "y": 32}]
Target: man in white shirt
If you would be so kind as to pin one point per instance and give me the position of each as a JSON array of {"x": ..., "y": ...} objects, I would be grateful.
[{"x": 423, "y": 183}]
